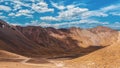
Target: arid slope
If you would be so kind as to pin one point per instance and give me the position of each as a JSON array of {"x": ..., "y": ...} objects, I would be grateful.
[
  {"x": 5, "y": 54},
  {"x": 108, "y": 57}
]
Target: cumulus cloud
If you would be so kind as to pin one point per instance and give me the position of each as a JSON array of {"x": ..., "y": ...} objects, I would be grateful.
[
  {"x": 25, "y": 12},
  {"x": 11, "y": 14},
  {"x": 44, "y": 24},
  {"x": 20, "y": 8},
  {"x": 17, "y": 7},
  {"x": 115, "y": 13},
  {"x": 49, "y": 18},
  {"x": 76, "y": 15},
  {"x": 3, "y": 17},
  {"x": 5, "y": 8},
  {"x": 20, "y": 3},
  {"x": 62, "y": 7},
  {"x": 116, "y": 25},
  {"x": 95, "y": 13},
  {"x": 72, "y": 13},
  {"x": 110, "y": 8},
  {"x": 41, "y": 7},
  {"x": 58, "y": 6}
]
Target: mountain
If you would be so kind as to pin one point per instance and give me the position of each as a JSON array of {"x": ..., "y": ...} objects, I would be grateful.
[
  {"x": 12, "y": 40},
  {"x": 107, "y": 57},
  {"x": 35, "y": 41}
]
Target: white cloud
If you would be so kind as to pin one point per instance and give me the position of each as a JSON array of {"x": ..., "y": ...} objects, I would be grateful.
[
  {"x": 72, "y": 23},
  {"x": 33, "y": 0},
  {"x": 43, "y": 24},
  {"x": 103, "y": 12},
  {"x": 15, "y": 24},
  {"x": 58, "y": 6},
  {"x": 5, "y": 8},
  {"x": 115, "y": 13},
  {"x": 3, "y": 17},
  {"x": 110, "y": 8},
  {"x": 37, "y": 5},
  {"x": 17, "y": 2},
  {"x": 16, "y": 7},
  {"x": 49, "y": 18},
  {"x": 25, "y": 12},
  {"x": 41, "y": 7},
  {"x": 62, "y": 7},
  {"x": 74, "y": 13},
  {"x": 11, "y": 14},
  {"x": 67, "y": 24},
  {"x": 70, "y": 6},
  {"x": 95, "y": 13},
  {"x": 115, "y": 25},
  {"x": 70, "y": 14},
  {"x": 34, "y": 22},
  {"x": 74, "y": 16}
]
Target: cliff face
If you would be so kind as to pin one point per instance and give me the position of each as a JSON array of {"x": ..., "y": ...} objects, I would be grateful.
[{"x": 35, "y": 41}]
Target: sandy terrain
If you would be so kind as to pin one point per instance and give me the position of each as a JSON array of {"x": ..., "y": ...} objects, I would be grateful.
[
  {"x": 108, "y": 57},
  {"x": 20, "y": 65},
  {"x": 11, "y": 60}
]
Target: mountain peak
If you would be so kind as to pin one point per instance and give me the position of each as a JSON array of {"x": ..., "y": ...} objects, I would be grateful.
[{"x": 3, "y": 24}]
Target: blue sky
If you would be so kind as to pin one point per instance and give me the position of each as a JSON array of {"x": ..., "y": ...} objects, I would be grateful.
[{"x": 61, "y": 13}]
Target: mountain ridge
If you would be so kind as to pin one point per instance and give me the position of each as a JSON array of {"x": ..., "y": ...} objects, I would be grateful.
[{"x": 35, "y": 41}]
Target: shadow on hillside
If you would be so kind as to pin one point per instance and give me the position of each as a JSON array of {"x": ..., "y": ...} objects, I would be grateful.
[{"x": 82, "y": 52}]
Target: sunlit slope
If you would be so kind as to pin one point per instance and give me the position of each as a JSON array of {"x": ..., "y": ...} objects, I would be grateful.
[{"x": 108, "y": 57}]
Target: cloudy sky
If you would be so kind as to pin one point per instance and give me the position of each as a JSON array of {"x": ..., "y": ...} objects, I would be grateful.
[{"x": 61, "y": 13}]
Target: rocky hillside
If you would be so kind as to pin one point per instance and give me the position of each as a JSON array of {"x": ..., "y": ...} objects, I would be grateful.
[
  {"x": 107, "y": 57},
  {"x": 35, "y": 41}
]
